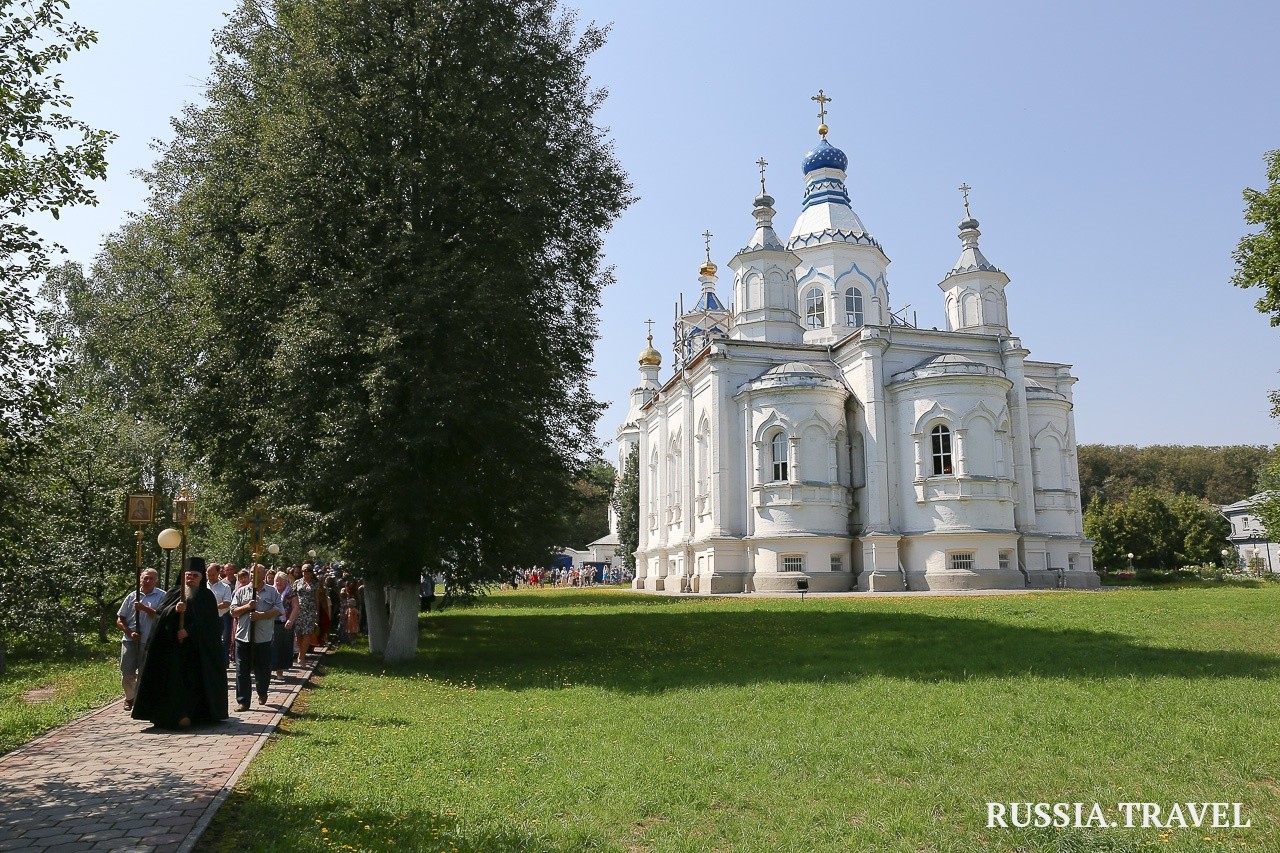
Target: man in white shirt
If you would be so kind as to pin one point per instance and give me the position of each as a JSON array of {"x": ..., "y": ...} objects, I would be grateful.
[
  {"x": 136, "y": 622},
  {"x": 255, "y": 607},
  {"x": 222, "y": 594}
]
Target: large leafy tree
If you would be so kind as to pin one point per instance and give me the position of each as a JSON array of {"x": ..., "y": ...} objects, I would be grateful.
[
  {"x": 1267, "y": 508},
  {"x": 395, "y": 208},
  {"x": 1257, "y": 255},
  {"x": 1257, "y": 259},
  {"x": 47, "y": 159},
  {"x": 626, "y": 503},
  {"x": 586, "y": 518},
  {"x": 1161, "y": 530}
]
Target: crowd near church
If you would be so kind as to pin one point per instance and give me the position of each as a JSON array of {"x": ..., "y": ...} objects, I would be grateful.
[{"x": 176, "y": 647}]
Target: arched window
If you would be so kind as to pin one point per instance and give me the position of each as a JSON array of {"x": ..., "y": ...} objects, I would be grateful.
[
  {"x": 853, "y": 307},
  {"x": 814, "y": 310},
  {"x": 778, "y": 453},
  {"x": 941, "y": 450}
]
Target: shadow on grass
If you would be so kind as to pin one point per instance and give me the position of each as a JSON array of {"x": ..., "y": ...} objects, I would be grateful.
[
  {"x": 336, "y": 824},
  {"x": 674, "y": 647},
  {"x": 558, "y": 597}
]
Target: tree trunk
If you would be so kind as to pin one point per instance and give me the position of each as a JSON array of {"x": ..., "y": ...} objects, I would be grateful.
[
  {"x": 105, "y": 620},
  {"x": 375, "y": 611},
  {"x": 3, "y": 661},
  {"x": 402, "y": 639}
]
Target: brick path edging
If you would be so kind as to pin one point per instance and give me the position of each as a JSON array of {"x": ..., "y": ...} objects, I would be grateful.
[{"x": 105, "y": 783}]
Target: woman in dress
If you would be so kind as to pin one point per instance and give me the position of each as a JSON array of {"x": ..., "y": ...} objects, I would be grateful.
[
  {"x": 282, "y": 655},
  {"x": 306, "y": 620}
]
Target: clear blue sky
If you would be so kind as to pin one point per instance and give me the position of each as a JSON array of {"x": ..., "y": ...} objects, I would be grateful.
[{"x": 1107, "y": 145}]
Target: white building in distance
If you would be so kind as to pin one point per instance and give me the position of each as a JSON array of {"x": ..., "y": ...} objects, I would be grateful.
[
  {"x": 809, "y": 438},
  {"x": 1255, "y": 552}
]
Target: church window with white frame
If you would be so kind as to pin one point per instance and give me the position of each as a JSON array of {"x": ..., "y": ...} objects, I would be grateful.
[
  {"x": 793, "y": 563},
  {"x": 940, "y": 439},
  {"x": 853, "y": 307},
  {"x": 778, "y": 456},
  {"x": 814, "y": 308},
  {"x": 961, "y": 561}
]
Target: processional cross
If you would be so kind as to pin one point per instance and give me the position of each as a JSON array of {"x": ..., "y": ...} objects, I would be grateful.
[{"x": 259, "y": 521}]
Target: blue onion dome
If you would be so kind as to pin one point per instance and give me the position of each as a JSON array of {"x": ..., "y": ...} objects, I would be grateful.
[{"x": 825, "y": 156}]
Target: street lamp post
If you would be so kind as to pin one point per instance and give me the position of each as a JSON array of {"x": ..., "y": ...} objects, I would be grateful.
[
  {"x": 168, "y": 539},
  {"x": 274, "y": 550},
  {"x": 1130, "y": 556},
  {"x": 184, "y": 514},
  {"x": 1255, "y": 565}
]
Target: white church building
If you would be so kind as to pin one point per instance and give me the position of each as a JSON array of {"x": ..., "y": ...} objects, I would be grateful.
[{"x": 809, "y": 438}]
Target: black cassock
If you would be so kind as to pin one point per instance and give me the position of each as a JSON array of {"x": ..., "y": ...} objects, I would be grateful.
[{"x": 185, "y": 678}]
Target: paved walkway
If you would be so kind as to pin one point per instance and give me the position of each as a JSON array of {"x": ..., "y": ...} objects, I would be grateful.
[{"x": 107, "y": 782}]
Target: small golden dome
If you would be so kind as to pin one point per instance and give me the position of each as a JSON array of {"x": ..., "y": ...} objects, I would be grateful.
[
  {"x": 650, "y": 356},
  {"x": 708, "y": 268},
  {"x": 822, "y": 130}
]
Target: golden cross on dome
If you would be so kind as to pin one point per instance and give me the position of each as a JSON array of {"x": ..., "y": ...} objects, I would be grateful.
[
  {"x": 964, "y": 188},
  {"x": 762, "y": 163},
  {"x": 822, "y": 100},
  {"x": 707, "y": 235}
]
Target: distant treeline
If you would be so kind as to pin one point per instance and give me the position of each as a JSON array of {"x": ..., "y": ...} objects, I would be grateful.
[{"x": 1220, "y": 475}]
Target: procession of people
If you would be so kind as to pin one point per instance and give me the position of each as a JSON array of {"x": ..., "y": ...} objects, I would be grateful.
[{"x": 177, "y": 647}]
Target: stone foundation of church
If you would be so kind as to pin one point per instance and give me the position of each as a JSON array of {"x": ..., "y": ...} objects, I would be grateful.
[
  {"x": 960, "y": 580},
  {"x": 790, "y": 581}
]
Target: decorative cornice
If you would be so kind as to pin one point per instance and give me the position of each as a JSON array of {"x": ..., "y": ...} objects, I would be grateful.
[{"x": 834, "y": 235}]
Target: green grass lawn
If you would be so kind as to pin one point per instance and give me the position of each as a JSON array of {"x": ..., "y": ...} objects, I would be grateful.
[
  {"x": 574, "y": 720},
  {"x": 40, "y": 694}
]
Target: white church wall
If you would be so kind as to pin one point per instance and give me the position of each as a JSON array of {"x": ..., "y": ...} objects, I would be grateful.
[
  {"x": 962, "y": 561},
  {"x": 1057, "y": 499}
]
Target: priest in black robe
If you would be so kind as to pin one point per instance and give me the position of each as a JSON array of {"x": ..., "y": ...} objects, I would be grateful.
[{"x": 184, "y": 680}]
